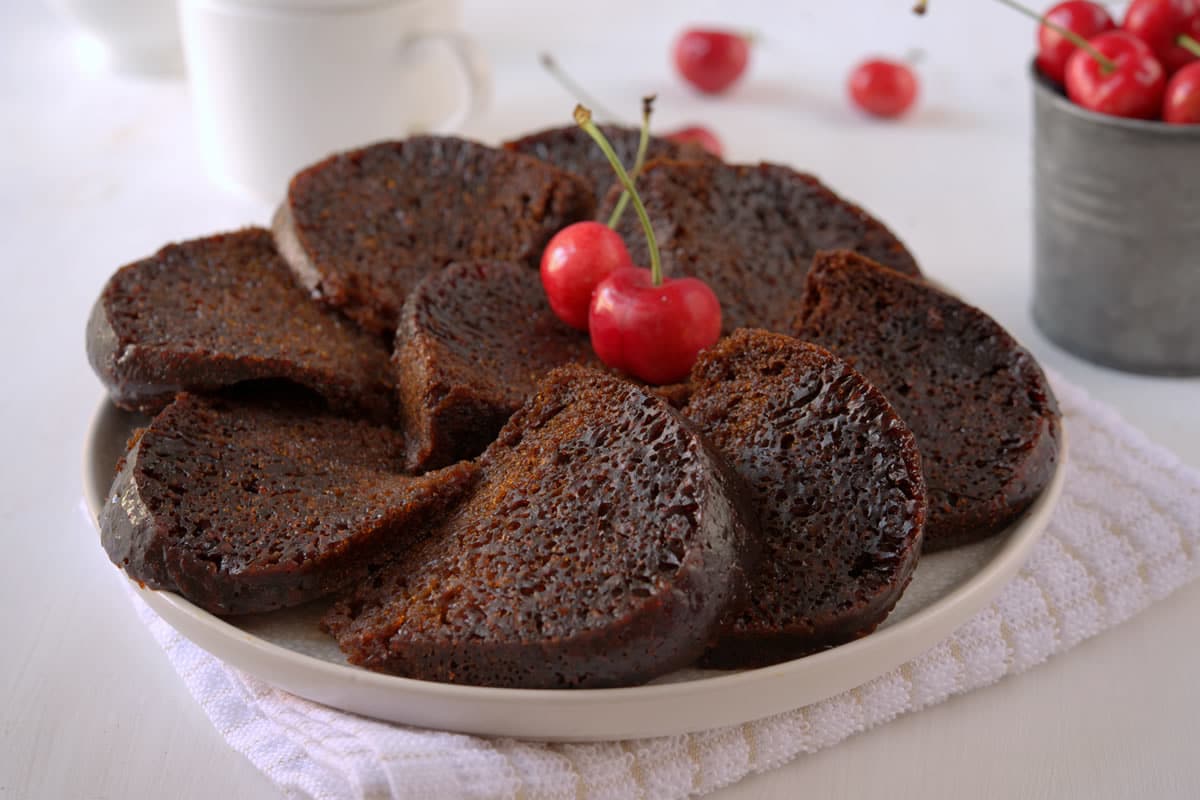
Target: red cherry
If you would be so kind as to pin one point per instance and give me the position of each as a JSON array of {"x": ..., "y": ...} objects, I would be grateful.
[
  {"x": 711, "y": 60},
  {"x": 883, "y": 88},
  {"x": 698, "y": 134},
  {"x": 652, "y": 332},
  {"x": 1182, "y": 103},
  {"x": 1134, "y": 89},
  {"x": 1083, "y": 18},
  {"x": 640, "y": 322},
  {"x": 1160, "y": 23},
  {"x": 576, "y": 259}
]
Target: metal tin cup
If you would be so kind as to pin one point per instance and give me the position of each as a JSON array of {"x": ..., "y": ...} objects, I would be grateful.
[{"x": 1116, "y": 206}]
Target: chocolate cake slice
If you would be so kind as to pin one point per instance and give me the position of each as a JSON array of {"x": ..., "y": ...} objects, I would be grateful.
[
  {"x": 248, "y": 507},
  {"x": 473, "y": 341},
  {"x": 750, "y": 232},
  {"x": 836, "y": 478},
  {"x": 601, "y": 546},
  {"x": 361, "y": 228},
  {"x": 212, "y": 312},
  {"x": 570, "y": 148},
  {"x": 986, "y": 421}
]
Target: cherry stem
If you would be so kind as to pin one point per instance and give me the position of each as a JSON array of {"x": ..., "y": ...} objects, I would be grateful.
[
  {"x": 1189, "y": 44},
  {"x": 1106, "y": 63},
  {"x": 583, "y": 118},
  {"x": 638, "y": 162},
  {"x": 577, "y": 92}
]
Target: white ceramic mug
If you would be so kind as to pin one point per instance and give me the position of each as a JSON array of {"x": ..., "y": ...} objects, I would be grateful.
[
  {"x": 279, "y": 84},
  {"x": 140, "y": 36}
]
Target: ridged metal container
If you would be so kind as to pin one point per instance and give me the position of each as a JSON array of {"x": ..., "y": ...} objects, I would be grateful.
[{"x": 1116, "y": 206}]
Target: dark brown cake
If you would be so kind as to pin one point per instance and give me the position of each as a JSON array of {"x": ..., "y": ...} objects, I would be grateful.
[
  {"x": 212, "y": 312},
  {"x": 244, "y": 508},
  {"x": 601, "y": 547},
  {"x": 750, "y": 232},
  {"x": 985, "y": 419},
  {"x": 570, "y": 148},
  {"x": 474, "y": 339},
  {"x": 360, "y": 229},
  {"x": 836, "y": 479}
]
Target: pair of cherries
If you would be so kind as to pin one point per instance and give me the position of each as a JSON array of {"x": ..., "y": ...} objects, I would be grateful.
[
  {"x": 1149, "y": 68},
  {"x": 639, "y": 321}
]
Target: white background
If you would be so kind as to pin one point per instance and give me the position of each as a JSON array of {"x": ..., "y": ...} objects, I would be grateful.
[{"x": 97, "y": 170}]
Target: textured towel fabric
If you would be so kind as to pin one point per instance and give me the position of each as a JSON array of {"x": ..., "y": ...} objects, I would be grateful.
[{"x": 1125, "y": 534}]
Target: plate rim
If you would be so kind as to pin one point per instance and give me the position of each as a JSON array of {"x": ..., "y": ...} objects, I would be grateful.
[{"x": 304, "y": 675}]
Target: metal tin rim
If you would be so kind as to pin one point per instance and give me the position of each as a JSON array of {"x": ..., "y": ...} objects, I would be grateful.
[{"x": 1047, "y": 90}]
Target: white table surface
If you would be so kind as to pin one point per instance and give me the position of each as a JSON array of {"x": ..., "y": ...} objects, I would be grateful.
[{"x": 97, "y": 170}]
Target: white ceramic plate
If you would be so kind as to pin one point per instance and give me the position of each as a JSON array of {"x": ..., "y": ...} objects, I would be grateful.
[{"x": 287, "y": 649}]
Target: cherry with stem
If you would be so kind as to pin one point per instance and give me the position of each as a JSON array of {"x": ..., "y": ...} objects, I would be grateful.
[
  {"x": 639, "y": 160},
  {"x": 583, "y": 254},
  {"x": 641, "y": 322},
  {"x": 1106, "y": 63},
  {"x": 1085, "y": 18},
  {"x": 583, "y": 118},
  {"x": 1114, "y": 72},
  {"x": 1169, "y": 27},
  {"x": 1133, "y": 90}
]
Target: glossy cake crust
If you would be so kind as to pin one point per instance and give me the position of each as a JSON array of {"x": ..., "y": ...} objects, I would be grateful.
[
  {"x": 602, "y": 546},
  {"x": 210, "y": 313},
  {"x": 360, "y": 229},
  {"x": 835, "y": 477},
  {"x": 750, "y": 232},
  {"x": 985, "y": 418},
  {"x": 473, "y": 341},
  {"x": 245, "y": 507}
]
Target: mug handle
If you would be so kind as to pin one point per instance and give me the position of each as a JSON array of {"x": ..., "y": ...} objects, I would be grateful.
[{"x": 473, "y": 68}]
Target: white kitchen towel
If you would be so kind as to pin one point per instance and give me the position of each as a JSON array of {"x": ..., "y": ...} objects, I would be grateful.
[{"x": 1125, "y": 534}]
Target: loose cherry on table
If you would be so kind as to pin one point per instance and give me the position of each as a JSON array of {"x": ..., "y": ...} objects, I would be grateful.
[
  {"x": 1126, "y": 81},
  {"x": 700, "y": 135},
  {"x": 1181, "y": 105},
  {"x": 1167, "y": 26},
  {"x": 646, "y": 325},
  {"x": 883, "y": 88},
  {"x": 711, "y": 60},
  {"x": 1054, "y": 49}
]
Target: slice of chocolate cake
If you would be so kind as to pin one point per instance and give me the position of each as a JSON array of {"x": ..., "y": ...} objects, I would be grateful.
[
  {"x": 983, "y": 413},
  {"x": 750, "y": 232},
  {"x": 213, "y": 312},
  {"x": 835, "y": 476},
  {"x": 250, "y": 507},
  {"x": 473, "y": 341},
  {"x": 360, "y": 229},
  {"x": 601, "y": 546},
  {"x": 571, "y": 149}
]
